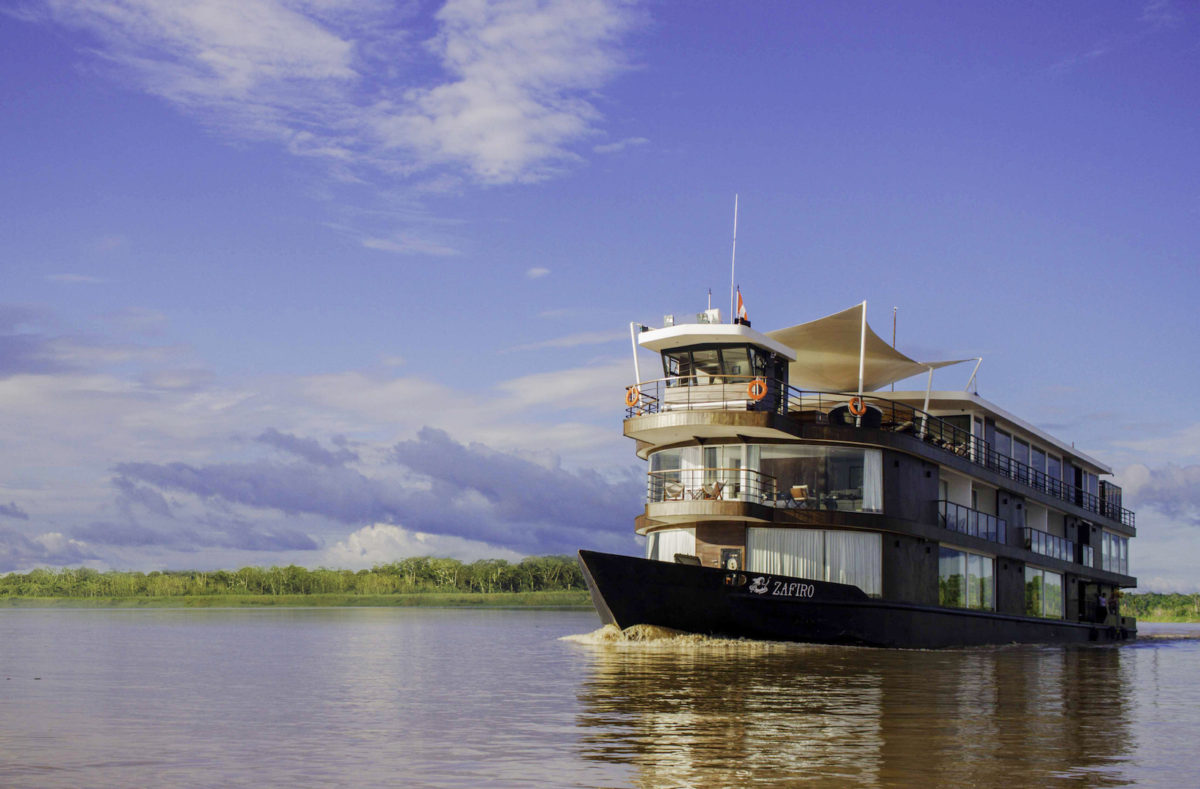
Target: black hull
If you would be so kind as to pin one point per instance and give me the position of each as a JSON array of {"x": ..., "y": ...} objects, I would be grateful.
[{"x": 628, "y": 591}]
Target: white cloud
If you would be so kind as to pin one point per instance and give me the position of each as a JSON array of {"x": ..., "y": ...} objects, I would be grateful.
[
  {"x": 573, "y": 341},
  {"x": 497, "y": 94},
  {"x": 536, "y": 272},
  {"x": 620, "y": 145},
  {"x": 408, "y": 244},
  {"x": 74, "y": 279},
  {"x": 519, "y": 70},
  {"x": 382, "y": 543}
]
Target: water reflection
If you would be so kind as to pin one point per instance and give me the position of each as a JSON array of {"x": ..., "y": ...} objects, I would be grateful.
[{"x": 712, "y": 714}]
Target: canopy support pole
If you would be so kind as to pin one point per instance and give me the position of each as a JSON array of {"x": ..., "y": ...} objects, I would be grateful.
[
  {"x": 925, "y": 407},
  {"x": 862, "y": 356},
  {"x": 971, "y": 380},
  {"x": 637, "y": 373}
]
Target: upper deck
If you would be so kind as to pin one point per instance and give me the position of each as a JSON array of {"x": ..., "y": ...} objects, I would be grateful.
[{"x": 729, "y": 382}]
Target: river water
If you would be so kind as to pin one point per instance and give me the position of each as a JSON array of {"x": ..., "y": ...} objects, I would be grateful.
[{"x": 458, "y": 698}]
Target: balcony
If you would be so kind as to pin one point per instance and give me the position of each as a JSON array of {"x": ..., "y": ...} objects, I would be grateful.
[
  {"x": 749, "y": 394},
  {"x": 711, "y": 484},
  {"x": 708, "y": 486},
  {"x": 974, "y": 523},
  {"x": 1048, "y": 544}
]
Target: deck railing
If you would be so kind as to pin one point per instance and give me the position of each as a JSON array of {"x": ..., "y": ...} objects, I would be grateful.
[
  {"x": 1048, "y": 544},
  {"x": 965, "y": 520},
  {"x": 752, "y": 393},
  {"x": 711, "y": 484}
]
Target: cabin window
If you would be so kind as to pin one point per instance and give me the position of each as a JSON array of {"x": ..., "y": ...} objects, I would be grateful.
[
  {"x": 1043, "y": 593},
  {"x": 844, "y": 557},
  {"x": 966, "y": 579},
  {"x": 663, "y": 545},
  {"x": 1054, "y": 472},
  {"x": 1114, "y": 553},
  {"x": 1037, "y": 460}
]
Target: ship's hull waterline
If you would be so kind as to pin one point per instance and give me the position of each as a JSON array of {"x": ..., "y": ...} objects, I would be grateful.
[{"x": 630, "y": 591}]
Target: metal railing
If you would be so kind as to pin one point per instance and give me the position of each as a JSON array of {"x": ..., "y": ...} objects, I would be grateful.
[
  {"x": 734, "y": 393},
  {"x": 965, "y": 520},
  {"x": 711, "y": 484},
  {"x": 1048, "y": 544}
]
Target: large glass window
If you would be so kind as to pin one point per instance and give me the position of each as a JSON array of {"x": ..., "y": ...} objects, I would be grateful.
[
  {"x": 791, "y": 475},
  {"x": 966, "y": 580},
  {"x": 1043, "y": 593},
  {"x": 663, "y": 545},
  {"x": 1114, "y": 553},
  {"x": 844, "y": 557}
]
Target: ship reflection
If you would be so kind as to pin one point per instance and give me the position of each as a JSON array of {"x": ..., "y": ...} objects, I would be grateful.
[{"x": 745, "y": 714}]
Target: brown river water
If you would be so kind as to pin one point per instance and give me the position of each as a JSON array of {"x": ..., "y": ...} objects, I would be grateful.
[{"x": 457, "y": 698}]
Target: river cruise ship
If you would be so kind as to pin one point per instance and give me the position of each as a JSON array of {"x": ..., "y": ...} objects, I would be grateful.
[{"x": 790, "y": 496}]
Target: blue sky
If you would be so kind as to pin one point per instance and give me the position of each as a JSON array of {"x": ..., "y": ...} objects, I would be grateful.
[{"x": 335, "y": 282}]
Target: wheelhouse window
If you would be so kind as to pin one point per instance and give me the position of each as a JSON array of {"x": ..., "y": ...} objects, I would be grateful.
[
  {"x": 713, "y": 364},
  {"x": 1043, "y": 593},
  {"x": 966, "y": 579}
]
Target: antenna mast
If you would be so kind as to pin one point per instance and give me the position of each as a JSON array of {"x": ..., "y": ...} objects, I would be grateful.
[{"x": 733, "y": 262}]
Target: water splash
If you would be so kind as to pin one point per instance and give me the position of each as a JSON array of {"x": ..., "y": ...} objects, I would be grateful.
[{"x": 654, "y": 636}]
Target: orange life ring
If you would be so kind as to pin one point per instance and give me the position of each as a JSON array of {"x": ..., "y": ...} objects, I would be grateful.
[
  {"x": 631, "y": 396},
  {"x": 857, "y": 406},
  {"x": 757, "y": 389}
]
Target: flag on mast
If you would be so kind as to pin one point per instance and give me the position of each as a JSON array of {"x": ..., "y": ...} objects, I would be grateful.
[{"x": 741, "y": 307}]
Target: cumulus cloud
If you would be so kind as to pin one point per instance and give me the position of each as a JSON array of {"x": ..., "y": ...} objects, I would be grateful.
[
  {"x": 497, "y": 92},
  {"x": 21, "y": 553},
  {"x": 307, "y": 448},
  {"x": 138, "y": 463},
  {"x": 22, "y": 348},
  {"x": 1172, "y": 490},
  {"x": 514, "y": 501},
  {"x": 470, "y": 492},
  {"x": 11, "y": 510},
  {"x": 382, "y": 543}
]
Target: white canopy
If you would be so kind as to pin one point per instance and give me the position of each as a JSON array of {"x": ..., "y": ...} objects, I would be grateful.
[{"x": 828, "y": 352}]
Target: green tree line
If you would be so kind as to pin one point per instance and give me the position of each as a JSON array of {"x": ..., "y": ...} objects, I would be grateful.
[
  {"x": 419, "y": 574},
  {"x": 1162, "y": 607}
]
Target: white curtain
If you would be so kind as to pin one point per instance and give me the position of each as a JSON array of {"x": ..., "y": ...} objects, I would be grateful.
[
  {"x": 872, "y": 480},
  {"x": 855, "y": 558},
  {"x": 663, "y": 545},
  {"x": 799, "y": 553}
]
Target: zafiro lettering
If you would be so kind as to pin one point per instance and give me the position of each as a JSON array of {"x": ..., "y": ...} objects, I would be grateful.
[{"x": 792, "y": 589}]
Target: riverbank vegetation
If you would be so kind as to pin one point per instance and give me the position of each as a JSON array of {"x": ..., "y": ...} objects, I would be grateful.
[
  {"x": 536, "y": 580},
  {"x": 1155, "y": 607},
  {"x": 552, "y": 581}
]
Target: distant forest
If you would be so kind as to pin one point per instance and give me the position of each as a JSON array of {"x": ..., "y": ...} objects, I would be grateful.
[
  {"x": 423, "y": 574},
  {"x": 1162, "y": 607}
]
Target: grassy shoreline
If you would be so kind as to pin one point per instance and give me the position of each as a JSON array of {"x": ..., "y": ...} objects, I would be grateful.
[{"x": 574, "y": 599}]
